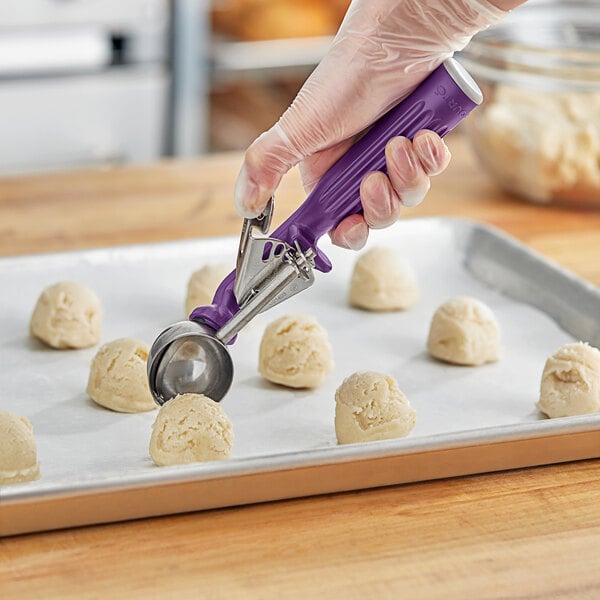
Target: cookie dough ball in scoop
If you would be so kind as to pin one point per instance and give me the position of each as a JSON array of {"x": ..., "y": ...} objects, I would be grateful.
[
  {"x": 464, "y": 331},
  {"x": 203, "y": 284},
  {"x": 67, "y": 315},
  {"x": 369, "y": 406},
  {"x": 190, "y": 428},
  {"x": 18, "y": 456},
  {"x": 571, "y": 382},
  {"x": 295, "y": 352},
  {"x": 383, "y": 281},
  {"x": 118, "y": 378}
]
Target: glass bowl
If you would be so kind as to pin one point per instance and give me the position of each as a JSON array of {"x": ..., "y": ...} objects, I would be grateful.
[{"x": 538, "y": 129}]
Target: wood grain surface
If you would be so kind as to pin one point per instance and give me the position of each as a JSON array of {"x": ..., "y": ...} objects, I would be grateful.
[{"x": 531, "y": 533}]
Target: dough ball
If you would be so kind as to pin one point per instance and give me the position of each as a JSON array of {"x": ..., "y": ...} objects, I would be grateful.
[
  {"x": 464, "y": 331},
  {"x": 545, "y": 146},
  {"x": 571, "y": 382},
  {"x": 294, "y": 351},
  {"x": 382, "y": 280},
  {"x": 369, "y": 406},
  {"x": 190, "y": 428},
  {"x": 18, "y": 456},
  {"x": 67, "y": 315},
  {"x": 203, "y": 284},
  {"x": 118, "y": 378}
]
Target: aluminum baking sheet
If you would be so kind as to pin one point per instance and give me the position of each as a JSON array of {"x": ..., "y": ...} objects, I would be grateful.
[{"x": 86, "y": 451}]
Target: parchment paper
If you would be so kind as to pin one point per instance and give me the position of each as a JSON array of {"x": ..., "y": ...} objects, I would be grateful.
[{"x": 142, "y": 289}]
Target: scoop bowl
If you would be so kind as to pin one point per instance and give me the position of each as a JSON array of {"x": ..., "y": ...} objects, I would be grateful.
[{"x": 187, "y": 357}]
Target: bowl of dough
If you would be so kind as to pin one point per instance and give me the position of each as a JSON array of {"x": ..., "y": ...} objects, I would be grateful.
[{"x": 538, "y": 129}]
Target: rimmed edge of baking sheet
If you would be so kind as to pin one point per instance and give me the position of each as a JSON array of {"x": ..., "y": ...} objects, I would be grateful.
[
  {"x": 211, "y": 485},
  {"x": 179, "y": 494}
]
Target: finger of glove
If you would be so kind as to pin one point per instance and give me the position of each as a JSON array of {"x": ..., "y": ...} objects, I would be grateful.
[
  {"x": 351, "y": 233},
  {"x": 381, "y": 204},
  {"x": 432, "y": 152},
  {"x": 267, "y": 159},
  {"x": 405, "y": 171}
]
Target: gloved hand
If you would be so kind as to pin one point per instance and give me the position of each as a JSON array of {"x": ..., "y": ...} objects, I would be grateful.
[{"x": 383, "y": 50}]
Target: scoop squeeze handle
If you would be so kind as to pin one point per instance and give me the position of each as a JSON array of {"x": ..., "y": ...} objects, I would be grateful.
[{"x": 439, "y": 103}]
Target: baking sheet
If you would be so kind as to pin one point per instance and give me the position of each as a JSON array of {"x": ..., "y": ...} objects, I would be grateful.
[{"x": 84, "y": 449}]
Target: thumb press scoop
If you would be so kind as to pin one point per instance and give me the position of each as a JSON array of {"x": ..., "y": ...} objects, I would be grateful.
[{"x": 192, "y": 356}]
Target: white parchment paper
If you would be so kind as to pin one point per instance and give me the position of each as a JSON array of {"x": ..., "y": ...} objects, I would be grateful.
[{"x": 142, "y": 289}]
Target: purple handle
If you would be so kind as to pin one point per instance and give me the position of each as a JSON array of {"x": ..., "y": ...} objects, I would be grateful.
[{"x": 439, "y": 103}]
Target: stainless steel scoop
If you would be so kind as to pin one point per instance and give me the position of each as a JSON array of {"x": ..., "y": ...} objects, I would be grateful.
[
  {"x": 192, "y": 356},
  {"x": 188, "y": 357}
]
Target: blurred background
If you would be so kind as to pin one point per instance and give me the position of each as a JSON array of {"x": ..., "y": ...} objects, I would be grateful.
[
  {"x": 95, "y": 82},
  {"x": 91, "y": 82}
]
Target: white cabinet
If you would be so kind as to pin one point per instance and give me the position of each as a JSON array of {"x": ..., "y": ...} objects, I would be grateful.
[
  {"x": 83, "y": 82},
  {"x": 69, "y": 122}
]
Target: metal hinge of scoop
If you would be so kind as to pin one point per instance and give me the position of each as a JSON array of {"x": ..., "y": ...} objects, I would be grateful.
[{"x": 261, "y": 260}]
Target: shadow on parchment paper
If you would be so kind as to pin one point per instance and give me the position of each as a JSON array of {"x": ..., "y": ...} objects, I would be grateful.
[
  {"x": 255, "y": 384},
  {"x": 422, "y": 367},
  {"x": 73, "y": 415},
  {"x": 26, "y": 341}
]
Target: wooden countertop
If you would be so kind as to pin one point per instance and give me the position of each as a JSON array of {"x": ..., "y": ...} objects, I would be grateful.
[{"x": 531, "y": 533}]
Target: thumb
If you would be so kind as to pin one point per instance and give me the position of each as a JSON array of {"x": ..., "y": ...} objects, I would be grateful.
[
  {"x": 315, "y": 121},
  {"x": 266, "y": 161}
]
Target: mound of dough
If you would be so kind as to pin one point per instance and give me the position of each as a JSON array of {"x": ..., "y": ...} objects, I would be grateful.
[
  {"x": 18, "y": 456},
  {"x": 190, "y": 428},
  {"x": 382, "y": 281},
  {"x": 295, "y": 352},
  {"x": 544, "y": 146},
  {"x": 464, "y": 331},
  {"x": 369, "y": 406},
  {"x": 67, "y": 315},
  {"x": 118, "y": 378},
  {"x": 203, "y": 284},
  {"x": 571, "y": 382}
]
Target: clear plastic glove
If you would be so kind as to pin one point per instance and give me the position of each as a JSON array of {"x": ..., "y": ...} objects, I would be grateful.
[{"x": 383, "y": 50}]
